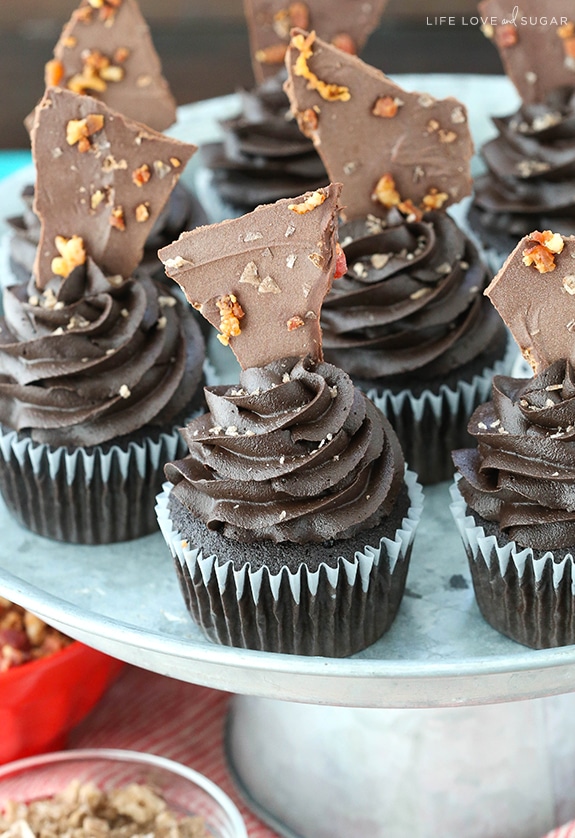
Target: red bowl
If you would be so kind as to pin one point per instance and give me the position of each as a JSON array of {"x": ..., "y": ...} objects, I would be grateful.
[{"x": 41, "y": 701}]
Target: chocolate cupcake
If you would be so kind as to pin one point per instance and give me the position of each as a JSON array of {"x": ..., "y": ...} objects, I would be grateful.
[
  {"x": 513, "y": 500},
  {"x": 408, "y": 320},
  {"x": 291, "y": 519},
  {"x": 97, "y": 369},
  {"x": 263, "y": 155},
  {"x": 529, "y": 177},
  {"x": 262, "y": 158},
  {"x": 106, "y": 51}
]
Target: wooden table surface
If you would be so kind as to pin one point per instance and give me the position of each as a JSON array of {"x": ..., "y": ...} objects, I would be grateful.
[{"x": 209, "y": 56}]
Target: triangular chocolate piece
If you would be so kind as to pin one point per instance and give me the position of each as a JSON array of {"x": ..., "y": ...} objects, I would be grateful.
[
  {"x": 106, "y": 51},
  {"x": 536, "y": 42},
  {"x": 386, "y": 146},
  {"x": 347, "y": 23},
  {"x": 261, "y": 279},
  {"x": 534, "y": 292},
  {"x": 99, "y": 177}
]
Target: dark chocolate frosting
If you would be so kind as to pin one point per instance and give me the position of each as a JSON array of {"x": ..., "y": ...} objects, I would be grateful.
[
  {"x": 94, "y": 358},
  {"x": 522, "y": 473},
  {"x": 294, "y": 453},
  {"x": 263, "y": 156},
  {"x": 530, "y": 179},
  {"x": 182, "y": 212},
  {"x": 410, "y": 304}
]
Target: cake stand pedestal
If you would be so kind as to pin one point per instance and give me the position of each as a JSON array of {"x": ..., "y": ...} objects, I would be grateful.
[{"x": 484, "y": 771}]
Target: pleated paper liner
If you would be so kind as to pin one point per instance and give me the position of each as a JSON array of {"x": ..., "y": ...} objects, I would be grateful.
[
  {"x": 527, "y": 595},
  {"x": 333, "y": 611},
  {"x": 94, "y": 496},
  {"x": 431, "y": 425}
]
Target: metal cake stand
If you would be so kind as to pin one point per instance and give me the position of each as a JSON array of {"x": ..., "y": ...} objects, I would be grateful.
[{"x": 442, "y": 728}]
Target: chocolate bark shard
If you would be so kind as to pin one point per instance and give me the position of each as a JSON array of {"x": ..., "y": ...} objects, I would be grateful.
[
  {"x": 106, "y": 51},
  {"x": 346, "y": 22},
  {"x": 365, "y": 128},
  {"x": 536, "y": 42},
  {"x": 100, "y": 177},
  {"x": 261, "y": 279},
  {"x": 534, "y": 292}
]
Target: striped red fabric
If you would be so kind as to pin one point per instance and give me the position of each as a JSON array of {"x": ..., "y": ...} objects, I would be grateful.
[
  {"x": 566, "y": 831},
  {"x": 143, "y": 711},
  {"x": 147, "y": 712}
]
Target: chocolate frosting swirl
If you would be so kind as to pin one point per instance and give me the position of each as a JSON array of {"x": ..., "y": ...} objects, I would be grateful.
[
  {"x": 294, "y": 453},
  {"x": 94, "y": 358},
  {"x": 530, "y": 178},
  {"x": 411, "y": 301},
  {"x": 522, "y": 474},
  {"x": 182, "y": 212},
  {"x": 263, "y": 156}
]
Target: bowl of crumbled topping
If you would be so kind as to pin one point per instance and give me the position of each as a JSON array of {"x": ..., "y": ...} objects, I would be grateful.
[
  {"x": 48, "y": 683},
  {"x": 112, "y": 793}
]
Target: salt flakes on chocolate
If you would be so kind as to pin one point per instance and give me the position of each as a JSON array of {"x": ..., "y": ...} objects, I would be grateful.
[
  {"x": 536, "y": 42},
  {"x": 386, "y": 146},
  {"x": 534, "y": 292},
  {"x": 92, "y": 192},
  {"x": 347, "y": 23},
  {"x": 235, "y": 273},
  {"x": 106, "y": 51}
]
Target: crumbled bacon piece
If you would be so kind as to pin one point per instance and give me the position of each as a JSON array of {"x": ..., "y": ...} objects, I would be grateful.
[
  {"x": 231, "y": 313},
  {"x": 541, "y": 250}
]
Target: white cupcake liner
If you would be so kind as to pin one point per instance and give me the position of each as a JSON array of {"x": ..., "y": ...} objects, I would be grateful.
[
  {"x": 431, "y": 425},
  {"x": 333, "y": 611},
  {"x": 527, "y": 596}
]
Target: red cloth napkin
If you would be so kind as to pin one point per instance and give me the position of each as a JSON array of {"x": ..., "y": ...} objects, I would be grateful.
[{"x": 143, "y": 711}]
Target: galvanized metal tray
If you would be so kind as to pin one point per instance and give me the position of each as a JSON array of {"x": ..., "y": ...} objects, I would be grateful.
[{"x": 124, "y": 598}]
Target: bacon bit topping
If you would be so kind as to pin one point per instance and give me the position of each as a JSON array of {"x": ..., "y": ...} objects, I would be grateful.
[
  {"x": 434, "y": 199},
  {"x": 569, "y": 47},
  {"x": 307, "y": 121},
  {"x": 314, "y": 200},
  {"x": 275, "y": 54},
  {"x": 345, "y": 43},
  {"x": 97, "y": 71},
  {"x": 231, "y": 313},
  {"x": 340, "y": 262},
  {"x": 118, "y": 219},
  {"x": 175, "y": 162},
  {"x": 294, "y": 323},
  {"x": 53, "y": 73},
  {"x": 121, "y": 54},
  {"x": 142, "y": 212},
  {"x": 386, "y": 106},
  {"x": 107, "y": 9},
  {"x": 296, "y": 15},
  {"x": 385, "y": 192},
  {"x": 79, "y": 131},
  {"x": 141, "y": 175},
  {"x": 541, "y": 250},
  {"x": 506, "y": 35},
  {"x": 447, "y": 136},
  {"x": 299, "y": 15},
  {"x": 329, "y": 92},
  {"x": 72, "y": 254},
  {"x": 411, "y": 212},
  {"x": 97, "y": 198},
  {"x": 567, "y": 31}
]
